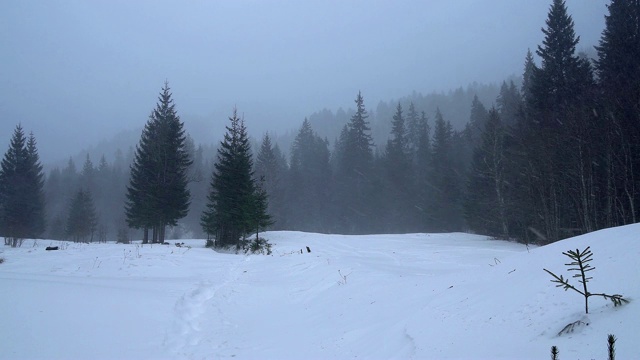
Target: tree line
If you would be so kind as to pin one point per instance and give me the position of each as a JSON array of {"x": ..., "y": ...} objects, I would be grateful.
[
  {"x": 554, "y": 156},
  {"x": 560, "y": 157},
  {"x": 551, "y": 158}
]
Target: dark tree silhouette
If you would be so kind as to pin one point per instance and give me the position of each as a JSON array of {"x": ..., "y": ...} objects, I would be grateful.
[
  {"x": 157, "y": 194},
  {"x": 21, "y": 191}
]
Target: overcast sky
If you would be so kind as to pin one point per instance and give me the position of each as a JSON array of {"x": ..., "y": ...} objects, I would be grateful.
[{"x": 75, "y": 72}]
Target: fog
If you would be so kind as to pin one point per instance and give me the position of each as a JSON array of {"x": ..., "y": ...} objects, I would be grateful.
[{"x": 77, "y": 72}]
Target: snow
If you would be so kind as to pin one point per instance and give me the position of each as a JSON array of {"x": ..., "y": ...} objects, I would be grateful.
[{"x": 413, "y": 296}]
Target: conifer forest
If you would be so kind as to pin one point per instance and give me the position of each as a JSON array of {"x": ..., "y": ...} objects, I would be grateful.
[{"x": 546, "y": 154}]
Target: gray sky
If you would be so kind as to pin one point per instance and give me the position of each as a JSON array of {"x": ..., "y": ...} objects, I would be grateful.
[{"x": 78, "y": 71}]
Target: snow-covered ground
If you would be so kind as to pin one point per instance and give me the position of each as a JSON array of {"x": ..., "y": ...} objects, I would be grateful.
[{"x": 415, "y": 296}]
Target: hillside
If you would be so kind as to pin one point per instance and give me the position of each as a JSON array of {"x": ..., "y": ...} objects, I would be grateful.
[{"x": 417, "y": 296}]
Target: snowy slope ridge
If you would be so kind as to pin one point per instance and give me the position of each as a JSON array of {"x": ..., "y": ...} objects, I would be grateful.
[{"x": 414, "y": 296}]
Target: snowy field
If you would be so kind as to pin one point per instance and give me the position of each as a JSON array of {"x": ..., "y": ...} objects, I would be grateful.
[{"x": 415, "y": 296}]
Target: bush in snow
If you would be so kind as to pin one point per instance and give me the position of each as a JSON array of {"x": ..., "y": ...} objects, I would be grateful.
[
  {"x": 257, "y": 246},
  {"x": 580, "y": 264}
]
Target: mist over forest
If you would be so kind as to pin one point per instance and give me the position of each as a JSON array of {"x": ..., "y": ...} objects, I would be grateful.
[
  {"x": 78, "y": 73},
  {"x": 521, "y": 124}
]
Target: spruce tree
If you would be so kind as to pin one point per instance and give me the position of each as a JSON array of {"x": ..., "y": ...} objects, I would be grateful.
[
  {"x": 139, "y": 204},
  {"x": 423, "y": 150},
  {"x": 398, "y": 189},
  {"x": 36, "y": 185},
  {"x": 517, "y": 173},
  {"x": 445, "y": 212},
  {"x": 413, "y": 129},
  {"x": 157, "y": 194},
  {"x": 618, "y": 52},
  {"x": 477, "y": 121},
  {"x": 271, "y": 170},
  {"x": 338, "y": 204},
  {"x": 398, "y": 145},
  {"x": 559, "y": 125},
  {"x": 354, "y": 190},
  {"x": 360, "y": 142},
  {"x": 471, "y": 137},
  {"x": 339, "y": 150},
  {"x": 82, "y": 221},
  {"x": 485, "y": 203},
  {"x": 527, "y": 77},
  {"x": 509, "y": 104},
  {"x": 230, "y": 212},
  {"x": 260, "y": 213},
  {"x": 21, "y": 190},
  {"x": 309, "y": 178},
  {"x": 88, "y": 175},
  {"x": 423, "y": 171},
  {"x": 266, "y": 163},
  {"x": 618, "y": 71}
]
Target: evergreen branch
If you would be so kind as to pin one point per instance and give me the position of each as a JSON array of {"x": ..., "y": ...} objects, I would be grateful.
[{"x": 616, "y": 299}]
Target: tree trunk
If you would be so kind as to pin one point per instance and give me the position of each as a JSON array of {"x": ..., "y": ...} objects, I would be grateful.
[
  {"x": 162, "y": 233},
  {"x": 154, "y": 235}
]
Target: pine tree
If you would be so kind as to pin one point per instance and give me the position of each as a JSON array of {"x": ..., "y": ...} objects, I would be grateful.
[
  {"x": 509, "y": 104},
  {"x": 157, "y": 194},
  {"x": 398, "y": 188},
  {"x": 559, "y": 125},
  {"x": 70, "y": 178},
  {"x": 423, "y": 171},
  {"x": 353, "y": 189},
  {"x": 423, "y": 151},
  {"x": 618, "y": 71},
  {"x": 413, "y": 129},
  {"x": 618, "y": 51},
  {"x": 471, "y": 137},
  {"x": 21, "y": 190},
  {"x": 103, "y": 166},
  {"x": 271, "y": 167},
  {"x": 260, "y": 213},
  {"x": 527, "y": 77},
  {"x": 60, "y": 186},
  {"x": 36, "y": 193},
  {"x": 338, "y": 156},
  {"x": 309, "y": 178},
  {"x": 398, "y": 145},
  {"x": 477, "y": 121},
  {"x": 445, "y": 212},
  {"x": 554, "y": 84},
  {"x": 231, "y": 209},
  {"x": 88, "y": 175},
  {"x": 485, "y": 204},
  {"x": 53, "y": 201},
  {"x": 139, "y": 205},
  {"x": 267, "y": 169},
  {"x": 517, "y": 173},
  {"x": 265, "y": 160},
  {"x": 82, "y": 221},
  {"x": 359, "y": 142}
]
